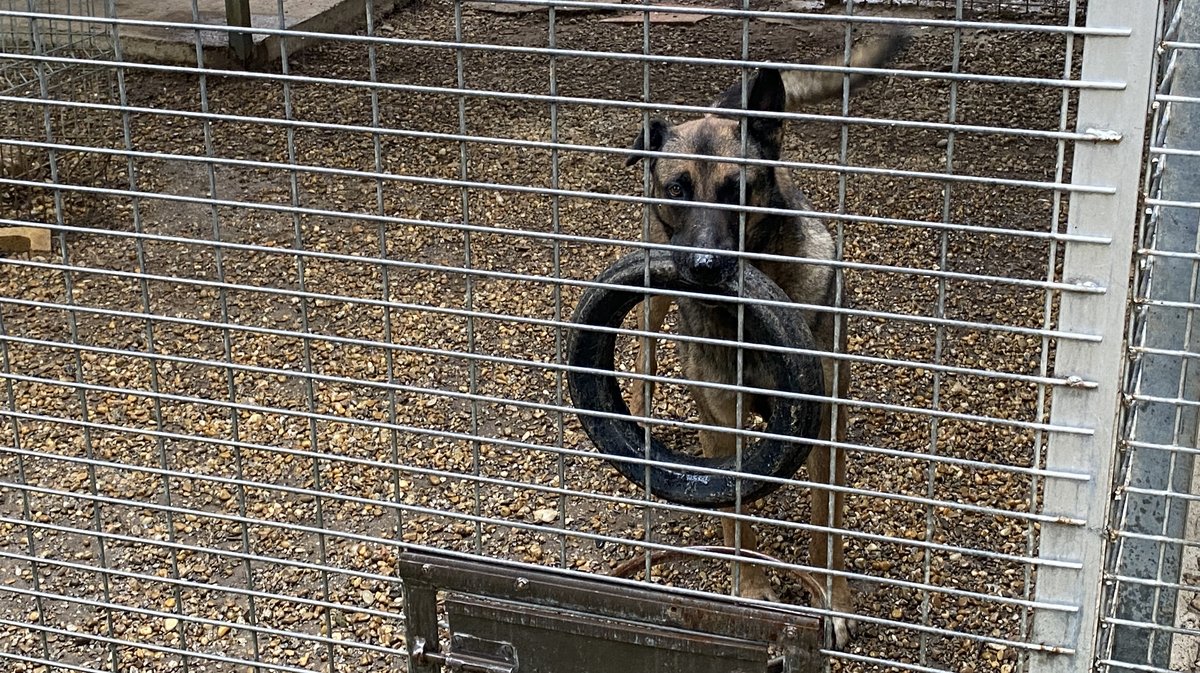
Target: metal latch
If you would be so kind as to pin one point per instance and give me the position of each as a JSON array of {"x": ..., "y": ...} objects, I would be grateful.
[
  {"x": 476, "y": 655},
  {"x": 469, "y": 654}
]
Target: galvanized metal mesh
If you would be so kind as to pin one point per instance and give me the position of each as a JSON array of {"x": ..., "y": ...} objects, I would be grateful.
[
  {"x": 1152, "y": 610},
  {"x": 315, "y": 311},
  {"x": 72, "y": 35}
]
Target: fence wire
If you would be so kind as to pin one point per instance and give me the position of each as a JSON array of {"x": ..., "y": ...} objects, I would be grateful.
[
  {"x": 1151, "y": 622},
  {"x": 73, "y": 34},
  {"x": 302, "y": 316}
]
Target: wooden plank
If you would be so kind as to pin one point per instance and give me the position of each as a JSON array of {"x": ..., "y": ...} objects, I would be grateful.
[
  {"x": 658, "y": 17},
  {"x": 24, "y": 239},
  {"x": 528, "y": 8}
]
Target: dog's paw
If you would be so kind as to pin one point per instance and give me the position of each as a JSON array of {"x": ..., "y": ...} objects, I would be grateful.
[
  {"x": 844, "y": 631},
  {"x": 759, "y": 591}
]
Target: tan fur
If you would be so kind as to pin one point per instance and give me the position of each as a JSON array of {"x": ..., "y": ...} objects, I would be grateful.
[
  {"x": 805, "y": 87},
  {"x": 805, "y": 284}
]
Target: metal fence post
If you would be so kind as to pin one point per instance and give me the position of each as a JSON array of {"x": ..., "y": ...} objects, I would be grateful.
[
  {"x": 1155, "y": 473},
  {"x": 237, "y": 13},
  {"x": 1078, "y": 537}
]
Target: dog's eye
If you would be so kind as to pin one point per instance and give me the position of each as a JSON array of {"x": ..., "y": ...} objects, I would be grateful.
[{"x": 675, "y": 190}]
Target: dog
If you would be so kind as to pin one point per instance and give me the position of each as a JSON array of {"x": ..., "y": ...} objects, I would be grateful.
[{"x": 713, "y": 238}]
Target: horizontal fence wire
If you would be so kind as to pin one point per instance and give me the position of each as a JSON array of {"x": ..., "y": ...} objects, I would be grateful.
[{"x": 303, "y": 313}]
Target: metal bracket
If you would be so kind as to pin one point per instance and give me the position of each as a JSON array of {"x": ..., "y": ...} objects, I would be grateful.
[
  {"x": 477, "y": 655},
  {"x": 468, "y": 654}
]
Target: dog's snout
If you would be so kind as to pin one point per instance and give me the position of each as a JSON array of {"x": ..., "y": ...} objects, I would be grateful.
[
  {"x": 705, "y": 263},
  {"x": 706, "y": 268}
]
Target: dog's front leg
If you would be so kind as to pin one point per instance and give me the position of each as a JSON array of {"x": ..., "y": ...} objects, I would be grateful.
[
  {"x": 749, "y": 579},
  {"x": 646, "y": 359},
  {"x": 827, "y": 465}
]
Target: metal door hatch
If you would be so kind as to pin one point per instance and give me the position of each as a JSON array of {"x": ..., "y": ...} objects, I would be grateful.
[{"x": 510, "y": 619}]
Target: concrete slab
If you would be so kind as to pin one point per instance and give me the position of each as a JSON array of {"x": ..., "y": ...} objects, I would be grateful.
[{"x": 179, "y": 45}]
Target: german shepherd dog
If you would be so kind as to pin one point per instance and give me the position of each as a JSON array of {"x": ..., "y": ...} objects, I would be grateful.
[{"x": 713, "y": 238}]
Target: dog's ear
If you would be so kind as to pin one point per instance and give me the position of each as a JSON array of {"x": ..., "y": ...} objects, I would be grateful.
[
  {"x": 657, "y": 130},
  {"x": 767, "y": 94}
]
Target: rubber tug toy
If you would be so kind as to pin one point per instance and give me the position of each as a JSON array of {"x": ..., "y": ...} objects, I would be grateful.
[{"x": 673, "y": 475}]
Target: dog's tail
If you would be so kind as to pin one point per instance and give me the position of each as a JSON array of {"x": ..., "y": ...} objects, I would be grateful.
[{"x": 805, "y": 87}]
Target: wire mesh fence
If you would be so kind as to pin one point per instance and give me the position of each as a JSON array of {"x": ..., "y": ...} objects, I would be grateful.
[
  {"x": 317, "y": 312},
  {"x": 74, "y": 36},
  {"x": 1151, "y": 609}
]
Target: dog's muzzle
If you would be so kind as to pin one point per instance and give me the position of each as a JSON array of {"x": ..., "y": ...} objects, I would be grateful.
[{"x": 705, "y": 269}]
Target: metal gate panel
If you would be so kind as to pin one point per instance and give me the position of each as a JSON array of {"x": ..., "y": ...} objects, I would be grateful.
[
  {"x": 505, "y": 617},
  {"x": 1149, "y": 617}
]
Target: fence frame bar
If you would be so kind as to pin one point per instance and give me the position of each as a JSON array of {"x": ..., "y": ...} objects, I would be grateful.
[{"x": 1121, "y": 111}]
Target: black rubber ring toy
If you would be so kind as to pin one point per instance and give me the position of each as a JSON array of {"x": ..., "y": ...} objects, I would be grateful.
[{"x": 670, "y": 477}]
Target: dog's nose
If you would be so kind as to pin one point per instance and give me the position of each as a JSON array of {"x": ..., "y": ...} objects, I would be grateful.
[{"x": 706, "y": 268}]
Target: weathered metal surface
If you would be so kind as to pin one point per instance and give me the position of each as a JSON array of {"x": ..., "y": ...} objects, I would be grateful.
[
  {"x": 545, "y": 622},
  {"x": 1123, "y": 61}
]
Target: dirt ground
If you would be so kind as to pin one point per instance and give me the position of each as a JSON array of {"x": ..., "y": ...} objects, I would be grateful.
[{"x": 311, "y": 409}]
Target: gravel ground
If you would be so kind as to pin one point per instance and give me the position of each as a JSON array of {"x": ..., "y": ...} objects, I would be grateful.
[{"x": 249, "y": 445}]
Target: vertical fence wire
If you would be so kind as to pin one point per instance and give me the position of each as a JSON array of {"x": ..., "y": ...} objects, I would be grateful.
[{"x": 939, "y": 343}]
